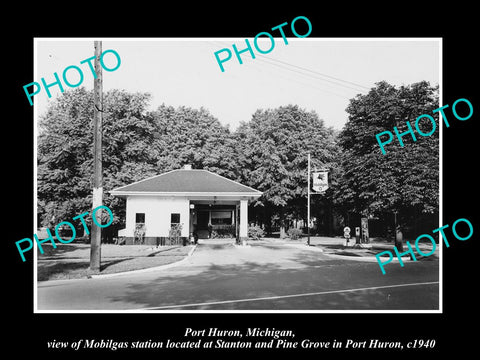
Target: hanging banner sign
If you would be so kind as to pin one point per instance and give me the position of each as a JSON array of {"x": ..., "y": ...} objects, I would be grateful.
[{"x": 320, "y": 181}]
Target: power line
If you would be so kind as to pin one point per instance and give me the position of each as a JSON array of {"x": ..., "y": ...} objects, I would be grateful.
[
  {"x": 310, "y": 85},
  {"x": 319, "y": 73},
  {"x": 256, "y": 65},
  {"x": 364, "y": 88},
  {"x": 298, "y": 72}
]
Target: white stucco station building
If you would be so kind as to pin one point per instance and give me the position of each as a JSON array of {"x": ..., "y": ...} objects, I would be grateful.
[{"x": 194, "y": 202}]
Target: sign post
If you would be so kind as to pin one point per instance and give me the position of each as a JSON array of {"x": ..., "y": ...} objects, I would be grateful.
[{"x": 320, "y": 185}]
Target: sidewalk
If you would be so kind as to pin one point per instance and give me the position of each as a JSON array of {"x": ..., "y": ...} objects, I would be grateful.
[{"x": 335, "y": 247}]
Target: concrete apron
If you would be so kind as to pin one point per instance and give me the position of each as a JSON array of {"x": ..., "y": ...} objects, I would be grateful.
[{"x": 224, "y": 252}]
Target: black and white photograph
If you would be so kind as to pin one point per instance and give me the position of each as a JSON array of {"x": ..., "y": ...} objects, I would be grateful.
[
  {"x": 261, "y": 187},
  {"x": 199, "y": 183}
]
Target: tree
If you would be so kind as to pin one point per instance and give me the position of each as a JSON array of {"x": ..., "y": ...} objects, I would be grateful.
[
  {"x": 403, "y": 182},
  {"x": 190, "y": 136},
  {"x": 271, "y": 152},
  {"x": 65, "y": 157}
]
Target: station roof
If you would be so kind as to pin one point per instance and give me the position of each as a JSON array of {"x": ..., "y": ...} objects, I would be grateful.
[{"x": 187, "y": 181}]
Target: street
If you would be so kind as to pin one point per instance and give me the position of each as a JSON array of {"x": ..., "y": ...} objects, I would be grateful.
[{"x": 221, "y": 276}]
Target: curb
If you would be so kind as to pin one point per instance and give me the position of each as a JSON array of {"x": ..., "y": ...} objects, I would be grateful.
[
  {"x": 365, "y": 258},
  {"x": 248, "y": 246},
  {"x": 139, "y": 271},
  {"x": 305, "y": 247},
  {"x": 344, "y": 257}
]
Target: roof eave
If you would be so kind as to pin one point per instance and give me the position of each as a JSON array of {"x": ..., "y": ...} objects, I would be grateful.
[{"x": 120, "y": 193}]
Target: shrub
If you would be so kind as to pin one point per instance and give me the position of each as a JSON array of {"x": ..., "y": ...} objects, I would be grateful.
[
  {"x": 294, "y": 233},
  {"x": 223, "y": 231},
  {"x": 255, "y": 232},
  {"x": 175, "y": 234},
  {"x": 139, "y": 234}
]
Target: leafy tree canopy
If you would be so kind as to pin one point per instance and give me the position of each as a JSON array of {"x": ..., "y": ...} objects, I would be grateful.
[
  {"x": 65, "y": 151},
  {"x": 406, "y": 177},
  {"x": 271, "y": 151},
  {"x": 195, "y": 137}
]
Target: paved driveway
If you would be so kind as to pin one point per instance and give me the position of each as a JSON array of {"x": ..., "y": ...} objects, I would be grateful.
[{"x": 221, "y": 276}]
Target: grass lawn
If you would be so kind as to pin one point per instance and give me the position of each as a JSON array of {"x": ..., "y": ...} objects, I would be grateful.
[{"x": 72, "y": 261}]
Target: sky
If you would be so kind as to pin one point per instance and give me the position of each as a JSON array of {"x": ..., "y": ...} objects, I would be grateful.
[{"x": 314, "y": 73}]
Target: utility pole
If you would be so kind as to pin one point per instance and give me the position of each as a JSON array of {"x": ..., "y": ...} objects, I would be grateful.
[
  {"x": 96, "y": 231},
  {"x": 308, "y": 202}
]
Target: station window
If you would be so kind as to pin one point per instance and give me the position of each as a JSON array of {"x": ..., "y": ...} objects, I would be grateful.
[
  {"x": 140, "y": 218},
  {"x": 174, "y": 218},
  {"x": 221, "y": 217}
]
